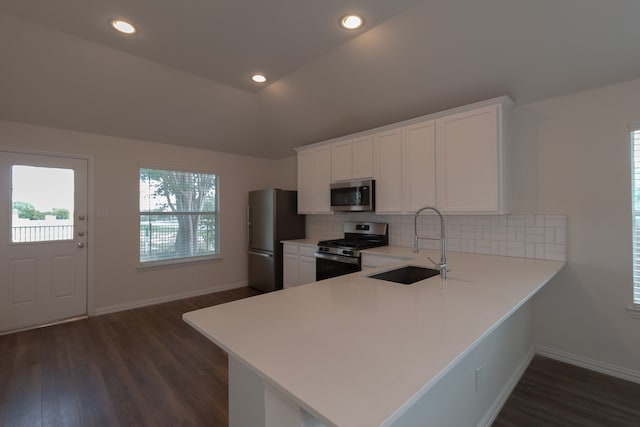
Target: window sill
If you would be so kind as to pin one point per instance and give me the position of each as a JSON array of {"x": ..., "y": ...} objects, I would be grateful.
[
  {"x": 179, "y": 262},
  {"x": 634, "y": 311}
]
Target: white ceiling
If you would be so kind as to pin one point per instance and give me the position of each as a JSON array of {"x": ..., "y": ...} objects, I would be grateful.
[{"x": 184, "y": 78}]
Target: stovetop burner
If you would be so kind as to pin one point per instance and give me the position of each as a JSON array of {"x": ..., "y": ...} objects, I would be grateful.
[
  {"x": 349, "y": 243},
  {"x": 357, "y": 236}
]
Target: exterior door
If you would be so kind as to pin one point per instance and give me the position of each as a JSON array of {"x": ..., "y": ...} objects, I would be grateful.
[{"x": 43, "y": 236}]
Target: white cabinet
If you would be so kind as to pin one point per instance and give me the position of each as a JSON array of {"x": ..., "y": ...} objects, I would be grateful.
[
  {"x": 405, "y": 168},
  {"x": 388, "y": 171},
  {"x": 314, "y": 178},
  {"x": 419, "y": 166},
  {"x": 457, "y": 161},
  {"x": 307, "y": 266},
  {"x": 299, "y": 265},
  {"x": 290, "y": 269},
  {"x": 472, "y": 160},
  {"x": 352, "y": 159}
]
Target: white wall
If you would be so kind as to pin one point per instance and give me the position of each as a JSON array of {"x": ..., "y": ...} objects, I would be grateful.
[
  {"x": 118, "y": 281},
  {"x": 571, "y": 155}
]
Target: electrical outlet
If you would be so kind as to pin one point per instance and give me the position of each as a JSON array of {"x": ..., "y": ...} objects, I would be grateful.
[{"x": 478, "y": 375}]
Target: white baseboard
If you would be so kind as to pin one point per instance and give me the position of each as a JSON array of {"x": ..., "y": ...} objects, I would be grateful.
[
  {"x": 593, "y": 365},
  {"x": 160, "y": 300},
  {"x": 495, "y": 408}
]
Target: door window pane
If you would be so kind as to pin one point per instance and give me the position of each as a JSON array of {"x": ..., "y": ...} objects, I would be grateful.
[{"x": 42, "y": 204}]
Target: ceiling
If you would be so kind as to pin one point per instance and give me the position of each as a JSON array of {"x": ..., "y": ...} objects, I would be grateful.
[{"x": 184, "y": 77}]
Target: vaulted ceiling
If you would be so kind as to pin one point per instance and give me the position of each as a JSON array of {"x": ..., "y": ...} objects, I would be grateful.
[{"x": 184, "y": 77}]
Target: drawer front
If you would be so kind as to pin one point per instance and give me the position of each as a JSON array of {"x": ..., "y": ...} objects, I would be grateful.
[
  {"x": 307, "y": 251},
  {"x": 291, "y": 249}
]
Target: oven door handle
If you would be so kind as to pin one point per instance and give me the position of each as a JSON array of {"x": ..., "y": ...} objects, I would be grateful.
[{"x": 338, "y": 258}]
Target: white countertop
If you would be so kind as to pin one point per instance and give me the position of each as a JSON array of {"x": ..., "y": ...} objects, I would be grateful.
[
  {"x": 356, "y": 351},
  {"x": 302, "y": 242}
]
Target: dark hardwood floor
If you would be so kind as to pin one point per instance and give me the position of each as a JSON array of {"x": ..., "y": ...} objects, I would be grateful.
[
  {"x": 142, "y": 367},
  {"x": 552, "y": 393},
  {"x": 146, "y": 367}
]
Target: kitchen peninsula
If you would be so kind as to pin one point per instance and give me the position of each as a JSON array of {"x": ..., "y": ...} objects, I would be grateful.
[{"x": 357, "y": 351}]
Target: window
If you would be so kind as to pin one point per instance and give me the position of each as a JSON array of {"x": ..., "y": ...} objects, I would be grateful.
[
  {"x": 42, "y": 202},
  {"x": 635, "y": 205},
  {"x": 178, "y": 216}
]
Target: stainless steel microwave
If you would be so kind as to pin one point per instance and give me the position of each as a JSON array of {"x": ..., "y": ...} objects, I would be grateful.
[{"x": 353, "y": 196}]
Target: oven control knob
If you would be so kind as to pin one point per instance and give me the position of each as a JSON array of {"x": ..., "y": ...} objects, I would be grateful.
[{"x": 347, "y": 252}]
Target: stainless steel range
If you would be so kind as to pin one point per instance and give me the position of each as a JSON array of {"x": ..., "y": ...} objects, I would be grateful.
[{"x": 342, "y": 256}]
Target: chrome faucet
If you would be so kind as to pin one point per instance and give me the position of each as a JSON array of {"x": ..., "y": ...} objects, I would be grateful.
[{"x": 443, "y": 243}]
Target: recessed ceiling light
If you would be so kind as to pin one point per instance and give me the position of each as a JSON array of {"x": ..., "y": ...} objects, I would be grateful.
[
  {"x": 123, "y": 26},
  {"x": 259, "y": 78},
  {"x": 351, "y": 22}
]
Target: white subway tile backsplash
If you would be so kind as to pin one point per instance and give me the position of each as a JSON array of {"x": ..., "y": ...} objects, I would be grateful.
[
  {"x": 502, "y": 248},
  {"x": 515, "y": 234},
  {"x": 468, "y": 232},
  {"x": 468, "y": 246},
  {"x": 482, "y": 220},
  {"x": 499, "y": 233},
  {"x": 516, "y": 249},
  {"x": 516, "y": 220},
  {"x": 555, "y": 221},
  {"x": 531, "y": 220},
  {"x": 537, "y": 236}
]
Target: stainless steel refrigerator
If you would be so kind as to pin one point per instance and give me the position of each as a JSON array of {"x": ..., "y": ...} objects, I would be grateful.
[{"x": 272, "y": 216}]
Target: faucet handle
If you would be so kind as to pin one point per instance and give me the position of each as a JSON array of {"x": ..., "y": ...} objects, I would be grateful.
[{"x": 437, "y": 264}]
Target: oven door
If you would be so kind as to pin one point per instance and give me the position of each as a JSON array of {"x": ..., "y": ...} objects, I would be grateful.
[{"x": 328, "y": 265}]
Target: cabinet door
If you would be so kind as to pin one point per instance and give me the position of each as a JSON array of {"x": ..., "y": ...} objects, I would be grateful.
[
  {"x": 306, "y": 181},
  {"x": 314, "y": 178},
  {"x": 362, "y": 157},
  {"x": 323, "y": 179},
  {"x": 290, "y": 271},
  {"x": 468, "y": 161},
  {"x": 307, "y": 269},
  {"x": 388, "y": 170},
  {"x": 341, "y": 161},
  {"x": 419, "y": 166}
]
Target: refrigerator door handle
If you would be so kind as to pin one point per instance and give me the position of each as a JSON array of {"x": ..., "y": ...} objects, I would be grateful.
[
  {"x": 249, "y": 231},
  {"x": 264, "y": 254}
]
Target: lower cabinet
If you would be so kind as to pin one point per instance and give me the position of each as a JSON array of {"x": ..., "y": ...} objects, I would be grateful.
[{"x": 299, "y": 265}]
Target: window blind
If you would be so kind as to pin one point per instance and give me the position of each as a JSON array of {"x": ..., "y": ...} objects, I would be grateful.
[
  {"x": 635, "y": 202},
  {"x": 178, "y": 216}
]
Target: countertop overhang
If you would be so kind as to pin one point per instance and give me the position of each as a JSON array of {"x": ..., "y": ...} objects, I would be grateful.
[{"x": 357, "y": 351}]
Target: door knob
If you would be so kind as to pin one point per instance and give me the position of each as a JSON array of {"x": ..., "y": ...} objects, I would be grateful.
[{"x": 81, "y": 245}]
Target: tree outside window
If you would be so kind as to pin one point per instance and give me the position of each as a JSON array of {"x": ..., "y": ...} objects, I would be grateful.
[{"x": 178, "y": 215}]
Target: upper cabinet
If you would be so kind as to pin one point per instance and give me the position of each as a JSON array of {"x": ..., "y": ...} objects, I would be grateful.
[
  {"x": 472, "y": 162},
  {"x": 405, "y": 168},
  {"x": 314, "y": 178},
  {"x": 419, "y": 159},
  {"x": 388, "y": 171},
  {"x": 352, "y": 159},
  {"x": 457, "y": 161}
]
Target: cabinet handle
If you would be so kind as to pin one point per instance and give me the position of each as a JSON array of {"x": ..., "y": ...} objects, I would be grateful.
[{"x": 260, "y": 254}]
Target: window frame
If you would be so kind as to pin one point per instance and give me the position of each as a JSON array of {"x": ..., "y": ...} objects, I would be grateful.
[
  {"x": 634, "y": 139},
  {"x": 188, "y": 259}
]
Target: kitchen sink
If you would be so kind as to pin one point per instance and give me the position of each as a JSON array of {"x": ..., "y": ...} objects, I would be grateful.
[{"x": 406, "y": 275}]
